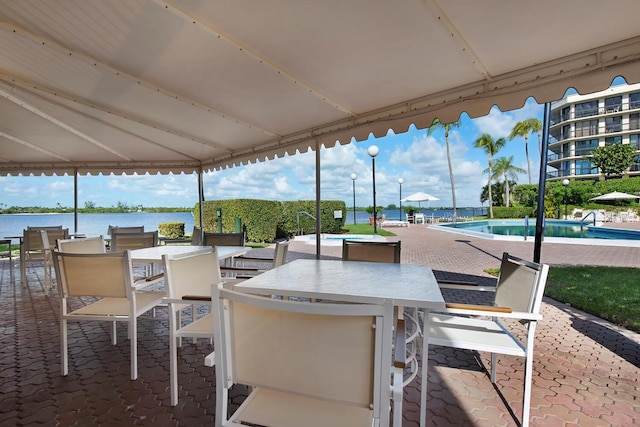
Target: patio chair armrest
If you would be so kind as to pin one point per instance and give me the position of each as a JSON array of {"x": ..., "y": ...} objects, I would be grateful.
[
  {"x": 146, "y": 281},
  {"x": 490, "y": 308},
  {"x": 253, "y": 258},
  {"x": 240, "y": 270},
  {"x": 192, "y": 298},
  {"x": 464, "y": 285},
  {"x": 400, "y": 345},
  {"x": 491, "y": 311}
]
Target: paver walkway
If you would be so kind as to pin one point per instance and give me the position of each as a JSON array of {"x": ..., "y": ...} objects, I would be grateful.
[{"x": 586, "y": 371}]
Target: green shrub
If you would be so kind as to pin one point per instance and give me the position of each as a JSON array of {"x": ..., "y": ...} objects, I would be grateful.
[
  {"x": 171, "y": 230},
  {"x": 501, "y": 212},
  {"x": 267, "y": 220}
]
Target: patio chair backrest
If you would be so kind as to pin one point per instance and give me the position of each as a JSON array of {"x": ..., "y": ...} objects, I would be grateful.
[
  {"x": 196, "y": 236},
  {"x": 32, "y": 239},
  {"x": 97, "y": 275},
  {"x": 519, "y": 284},
  {"x": 46, "y": 227},
  {"x": 280, "y": 253},
  {"x": 355, "y": 250},
  {"x": 323, "y": 351},
  {"x": 223, "y": 239},
  {"x": 121, "y": 242},
  {"x": 112, "y": 229},
  {"x": 88, "y": 245},
  {"x": 191, "y": 274}
]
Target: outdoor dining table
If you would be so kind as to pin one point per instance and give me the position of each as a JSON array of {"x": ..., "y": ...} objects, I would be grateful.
[
  {"x": 155, "y": 253},
  {"x": 406, "y": 285}
]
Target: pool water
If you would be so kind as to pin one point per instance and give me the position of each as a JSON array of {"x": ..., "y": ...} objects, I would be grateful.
[{"x": 553, "y": 228}]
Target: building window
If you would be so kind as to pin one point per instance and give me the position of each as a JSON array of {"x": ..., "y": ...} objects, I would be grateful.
[
  {"x": 566, "y": 113},
  {"x": 634, "y": 141},
  {"x": 610, "y": 140},
  {"x": 634, "y": 100},
  {"x": 586, "y": 167},
  {"x": 586, "y": 147},
  {"x": 634, "y": 121},
  {"x": 566, "y": 134},
  {"x": 586, "y": 109},
  {"x": 635, "y": 166},
  {"x": 613, "y": 124},
  {"x": 587, "y": 128},
  {"x": 613, "y": 104}
]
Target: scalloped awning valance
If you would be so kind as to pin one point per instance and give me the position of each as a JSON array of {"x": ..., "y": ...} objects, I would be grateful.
[{"x": 100, "y": 86}]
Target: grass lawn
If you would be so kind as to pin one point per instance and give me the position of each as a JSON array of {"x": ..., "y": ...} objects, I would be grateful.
[
  {"x": 611, "y": 293},
  {"x": 365, "y": 229}
]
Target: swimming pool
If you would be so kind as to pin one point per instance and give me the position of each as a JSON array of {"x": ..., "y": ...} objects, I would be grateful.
[{"x": 556, "y": 231}]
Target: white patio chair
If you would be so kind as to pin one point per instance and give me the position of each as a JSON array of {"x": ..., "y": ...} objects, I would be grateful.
[
  {"x": 239, "y": 271},
  {"x": 188, "y": 280},
  {"x": 312, "y": 365},
  {"x": 33, "y": 250},
  {"x": 108, "y": 277},
  {"x": 87, "y": 245},
  {"x": 405, "y": 354},
  {"x": 419, "y": 218},
  {"x": 518, "y": 296}
]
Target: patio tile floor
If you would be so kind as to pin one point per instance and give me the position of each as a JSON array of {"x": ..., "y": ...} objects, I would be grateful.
[{"x": 586, "y": 370}]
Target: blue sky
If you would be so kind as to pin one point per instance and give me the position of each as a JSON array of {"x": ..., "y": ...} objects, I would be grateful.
[{"x": 418, "y": 159}]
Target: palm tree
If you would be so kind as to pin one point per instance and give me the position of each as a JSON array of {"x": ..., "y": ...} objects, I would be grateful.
[
  {"x": 437, "y": 124},
  {"x": 523, "y": 129},
  {"x": 491, "y": 147},
  {"x": 504, "y": 167}
]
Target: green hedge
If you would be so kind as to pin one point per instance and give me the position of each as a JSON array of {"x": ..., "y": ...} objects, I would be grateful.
[
  {"x": 171, "y": 230},
  {"x": 502, "y": 212},
  {"x": 267, "y": 220}
]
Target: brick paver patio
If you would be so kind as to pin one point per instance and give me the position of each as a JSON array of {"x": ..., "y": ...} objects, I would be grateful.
[{"x": 586, "y": 370}]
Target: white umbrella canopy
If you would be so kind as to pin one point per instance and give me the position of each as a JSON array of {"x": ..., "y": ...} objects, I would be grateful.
[
  {"x": 419, "y": 197},
  {"x": 615, "y": 195}
]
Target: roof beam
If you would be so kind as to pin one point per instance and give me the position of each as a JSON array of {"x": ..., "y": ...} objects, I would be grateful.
[
  {"x": 25, "y": 85},
  {"x": 59, "y": 123},
  {"x": 31, "y": 146}
]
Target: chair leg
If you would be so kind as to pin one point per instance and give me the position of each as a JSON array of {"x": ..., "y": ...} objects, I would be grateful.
[
  {"x": 174, "y": 343},
  {"x": 134, "y": 346},
  {"x": 64, "y": 347},
  {"x": 526, "y": 399},
  {"x": 114, "y": 333},
  {"x": 397, "y": 396},
  {"x": 493, "y": 367}
]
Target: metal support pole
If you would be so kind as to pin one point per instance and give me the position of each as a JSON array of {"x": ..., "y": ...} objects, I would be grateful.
[{"x": 542, "y": 179}]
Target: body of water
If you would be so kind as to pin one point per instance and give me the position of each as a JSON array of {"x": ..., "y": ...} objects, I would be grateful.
[
  {"x": 92, "y": 224},
  {"x": 362, "y": 217}
]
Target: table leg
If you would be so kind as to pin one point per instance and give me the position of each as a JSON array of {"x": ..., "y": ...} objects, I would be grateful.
[{"x": 425, "y": 369}]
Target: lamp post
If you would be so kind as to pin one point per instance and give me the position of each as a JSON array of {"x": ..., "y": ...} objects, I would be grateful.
[
  {"x": 373, "y": 152},
  {"x": 565, "y": 182},
  {"x": 400, "y": 181},
  {"x": 353, "y": 178}
]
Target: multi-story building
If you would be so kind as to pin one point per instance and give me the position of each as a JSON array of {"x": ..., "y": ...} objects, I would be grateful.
[{"x": 580, "y": 123}]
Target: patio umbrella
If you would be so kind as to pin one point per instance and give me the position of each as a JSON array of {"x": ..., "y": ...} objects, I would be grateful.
[
  {"x": 616, "y": 195},
  {"x": 419, "y": 197}
]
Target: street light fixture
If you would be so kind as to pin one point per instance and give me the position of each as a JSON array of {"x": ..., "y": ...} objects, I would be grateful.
[
  {"x": 565, "y": 182},
  {"x": 373, "y": 152},
  {"x": 353, "y": 178},
  {"x": 400, "y": 181}
]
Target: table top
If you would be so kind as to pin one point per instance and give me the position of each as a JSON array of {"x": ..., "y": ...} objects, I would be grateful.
[
  {"x": 409, "y": 285},
  {"x": 154, "y": 254}
]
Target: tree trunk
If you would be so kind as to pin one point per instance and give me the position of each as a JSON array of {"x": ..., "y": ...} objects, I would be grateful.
[{"x": 453, "y": 185}]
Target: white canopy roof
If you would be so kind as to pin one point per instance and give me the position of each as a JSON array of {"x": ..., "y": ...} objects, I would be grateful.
[{"x": 160, "y": 86}]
